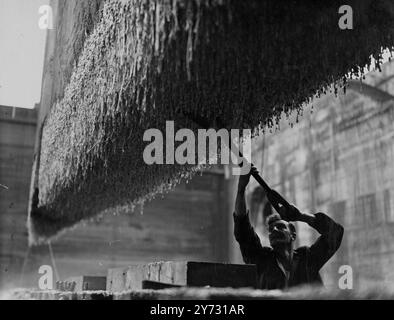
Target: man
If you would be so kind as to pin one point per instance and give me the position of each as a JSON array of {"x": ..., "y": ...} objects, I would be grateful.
[{"x": 281, "y": 266}]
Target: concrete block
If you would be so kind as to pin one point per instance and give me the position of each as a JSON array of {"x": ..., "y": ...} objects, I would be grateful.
[
  {"x": 181, "y": 273},
  {"x": 116, "y": 279},
  {"x": 84, "y": 283}
]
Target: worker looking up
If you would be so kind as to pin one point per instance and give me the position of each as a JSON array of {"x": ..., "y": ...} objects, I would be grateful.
[{"x": 281, "y": 266}]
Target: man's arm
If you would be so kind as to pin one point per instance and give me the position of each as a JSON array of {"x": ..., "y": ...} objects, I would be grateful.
[
  {"x": 329, "y": 241},
  {"x": 244, "y": 233},
  {"x": 331, "y": 234}
]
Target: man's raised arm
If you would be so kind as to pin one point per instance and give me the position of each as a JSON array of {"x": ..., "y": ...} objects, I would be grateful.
[
  {"x": 243, "y": 231},
  {"x": 331, "y": 234}
]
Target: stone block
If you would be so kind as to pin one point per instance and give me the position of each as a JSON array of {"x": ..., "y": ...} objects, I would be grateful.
[
  {"x": 83, "y": 283},
  {"x": 181, "y": 273}
]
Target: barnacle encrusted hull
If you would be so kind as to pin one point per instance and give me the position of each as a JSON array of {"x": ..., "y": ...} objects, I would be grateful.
[{"x": 242, "y": 62}]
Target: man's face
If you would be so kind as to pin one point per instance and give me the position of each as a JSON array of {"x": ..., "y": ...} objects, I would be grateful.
[{"x": 279, "y": 232}]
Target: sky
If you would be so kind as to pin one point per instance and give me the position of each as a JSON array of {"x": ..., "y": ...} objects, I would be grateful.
[{"x": 22, "y": 47}]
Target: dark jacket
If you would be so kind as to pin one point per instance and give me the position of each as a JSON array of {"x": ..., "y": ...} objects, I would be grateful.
[{"x": 307, "y": 261}]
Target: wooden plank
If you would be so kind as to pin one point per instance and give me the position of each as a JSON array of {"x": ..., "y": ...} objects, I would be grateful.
[
  {"x": 154, "y": 285},
  {"x": 220, "y": 275}
]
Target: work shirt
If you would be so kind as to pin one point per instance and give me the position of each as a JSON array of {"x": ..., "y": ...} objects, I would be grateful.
[{"x": 307, "y": 261}]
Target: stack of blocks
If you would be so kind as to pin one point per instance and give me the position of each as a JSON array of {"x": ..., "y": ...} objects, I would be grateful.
[
  {"x": 181, "y": 273},
  {"x": 162, "y": 275}
]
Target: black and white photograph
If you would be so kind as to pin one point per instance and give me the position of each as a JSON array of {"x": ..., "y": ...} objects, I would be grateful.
[{"x": 215, "y": 151}]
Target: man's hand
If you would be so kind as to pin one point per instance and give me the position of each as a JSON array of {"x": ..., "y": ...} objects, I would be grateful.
[{"x": 244, "y": 179}]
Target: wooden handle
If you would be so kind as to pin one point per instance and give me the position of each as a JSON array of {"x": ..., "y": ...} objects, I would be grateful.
[
  {"x": 276, "y": 200},
  {"x": 274, "y": 197}
]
